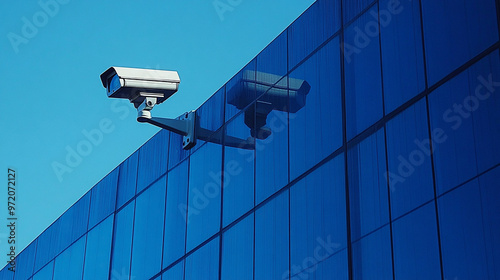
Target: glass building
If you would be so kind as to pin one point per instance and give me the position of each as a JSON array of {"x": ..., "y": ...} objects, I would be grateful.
[{"x": 362, "y": 143}]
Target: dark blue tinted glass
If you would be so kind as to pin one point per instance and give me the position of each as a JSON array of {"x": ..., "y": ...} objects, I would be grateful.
[
  {"x": 237, "y": 251},
  {"x": 409, "y": 158},
  {"x": 122, "y": 241},
  {"x": 103, "y": 198},
  {"x": 464, "y": 121},
  {"x": 44, "y": 274},
  {"x": 416, "y": 247},
  {"x": 272, "y": 151},
  {"x": 239, "y": 159},
  {"x": 25, "y": 262},
  {"x": 272, "y": 61},
  {"x": 174, "y": 238},
  {"x": 371, "y": 256},
  {"x": 69, "y": 264},
  {"x": 148, "y": 231},
  {"x": 204, "y": 200},
  {"x": 363, "y": 80},
  {"x": 127, "y": 180},
  {"x": 402, "y": 55},
  {"x": 240, "y": 90},
  {"x": 7, "y": 274},
  {"x": 174, "y": 273},
  {"x": 313, "y": 28},
  {"x": 463, "y": 242},
  {"x": 368, "y": 185},
  {"x": 204, "y": 263},
  {"x": 45, "y": 248},
  {"x": 64, "y": 231},
  {"x": 176, "y": 153},
  {"x": 153, "y": 158},
  {"x": 354, "y": 7},
  {"x": 456, "y": 31},
  {"x": 211, "y": 113},
  {"x": 334, "y": 267},
  {"x": 490, "y": 194},
  {"x": 271, "y": 238},
  {"x": 317, "y": 215},
  {"x": 315, "y": 118},
  {"x": 98, "y": 250}
]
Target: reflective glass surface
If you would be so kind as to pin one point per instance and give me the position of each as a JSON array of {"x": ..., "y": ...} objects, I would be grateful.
[
  {"x": 204, "y": 262},
  {"x": 456, "y": 31},
  {"x": 148, "y": 231},
  {"x": 271, "y": 239},
  {"x": 363, "y": 79},
  {"x": 368, "y": 185},
  {"x": 204, "y": 198},
  {"x": 98, "y": 250},
  {"x": 239, "y": 160},
  {"x": 237, "y": 251},
  {"x": 153, "y": 159},
  {"x": 122, "y": 241},
  {"x": 103, "y": 198},
  {"x": 174, "y": 238},
  {"x": 316, "y": 118},
  {"x": 127, "y": 180},
  {"x": 69, "y": 264}
]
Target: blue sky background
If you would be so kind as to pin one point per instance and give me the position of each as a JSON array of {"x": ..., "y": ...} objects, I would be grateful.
[{"x": 51, "y": 92}]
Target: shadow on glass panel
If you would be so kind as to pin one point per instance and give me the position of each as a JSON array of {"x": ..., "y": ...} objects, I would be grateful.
[{"x": 286, "y": 97}]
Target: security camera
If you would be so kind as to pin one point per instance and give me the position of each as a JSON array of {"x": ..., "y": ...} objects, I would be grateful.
[{"x": 138, "y": 84}]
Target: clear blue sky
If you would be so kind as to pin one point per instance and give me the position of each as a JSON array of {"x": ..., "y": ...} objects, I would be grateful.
[{"x": 51, "y": 56}]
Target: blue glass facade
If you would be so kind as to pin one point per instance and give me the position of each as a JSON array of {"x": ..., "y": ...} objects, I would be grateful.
[{"x": 384, "y": 164}]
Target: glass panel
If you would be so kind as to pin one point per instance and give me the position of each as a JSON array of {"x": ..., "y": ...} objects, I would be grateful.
[
  {"x": 204, "y": 200},
  {"x": 490, "y": 194},
  {"x": 174, "y": 239},
  {"x": 204, "y": 263},
  {"x": 176, "y": 152},
  {"x": 311, "y": 29},
  {"x": 402, "y": 55},
  {"x": 363, "y": 81},
  {"x": 464, "y": 120},
  {"x": 239, "y": 158},
  {"x": 354, "y": 7},
  {"x": 318, "y": 226},
  {"x": 69, "y": 264},
  {"x": 315, "y": 119},
  {"x": 211, "y": 113},
  {"x": 272, "y": 151},
  {"x": 7, "y": 274},
  {"x": 334, "y": 267},
  {"x": 237, "y": 251},
  {"x": 470, "y": 27},
  {"x": 174, "y": 273},
  {"x": 103, "y": 198},
  {"x": 153, "y": 158},
  {"x": 272, "y": 238},
  {"x": 368, "y": 185},
  {"x": 127, "y": 180},
  {"x": 416, "y": 248},
  {"x": 25, "y": 262},
  {"x": 64, "y": 231},
  {"x": 122, "y": 242},
  {"x": 372, "y": 257},
  {"x": 148, "y": 231},
  {"x": 272, "y": 61},
  {"x": 44, "y": 274},
  {"x": 409, "y": 157},
  {"x": 98, "y": 250},
  {"x": 240, "y": 90},
  {"x": 462, "y": 234}
]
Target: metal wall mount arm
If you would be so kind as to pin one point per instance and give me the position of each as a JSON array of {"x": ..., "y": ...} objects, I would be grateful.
[{"x": 184, "y": 126}]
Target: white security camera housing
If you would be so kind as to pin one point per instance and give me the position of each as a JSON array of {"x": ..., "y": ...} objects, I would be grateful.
[{"x": 137, "y": 84}]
